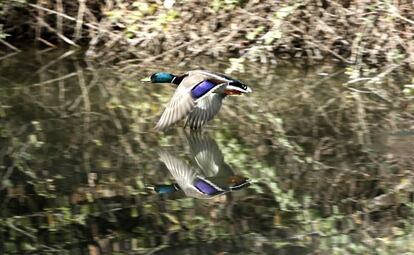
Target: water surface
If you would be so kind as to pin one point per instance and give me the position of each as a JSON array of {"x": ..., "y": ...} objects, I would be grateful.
[{"x": 328, "y": 171}]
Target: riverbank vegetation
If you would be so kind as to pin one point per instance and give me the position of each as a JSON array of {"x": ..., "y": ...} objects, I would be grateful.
[{"x": 370, "y": 37}]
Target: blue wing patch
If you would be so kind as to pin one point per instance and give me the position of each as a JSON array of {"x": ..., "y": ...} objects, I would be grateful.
[{"x": 202, "y": 88}]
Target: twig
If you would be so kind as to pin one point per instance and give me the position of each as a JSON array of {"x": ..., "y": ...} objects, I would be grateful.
[
  {"x": 330, "y": 76},
  {"x": 79, "y": 20},
  {"x": 363, "y": 137},
  {"x": 38, "y": 32},
  {"x": 9, "y": 45},
  {"x": 52, "y": 11},
  {"x": 60, "y": 35},
  {"x": 370, "y": 92},
  {"x": 167, "y": 52},
  {"x": 61, "y": 83},
  {"x": 358, "y": 79},
  {"x": 394, "y": 11},
  {"x": 59, "y": 19},
  {"x": 360, "y": 91},
  {"x": 51, "y": 45},
  {"x": 54, "y": 80},
  {"x": 63, "y": 56},
  {"x": 72, "y": 105},
  {"x": 320, "y": 46},
  {"x": 162, "y": 54},
  {"x": 44, "y": 51},
  {"x": 71, "y": 18},
  {"x": 25, "y": 233},
  {"x": 8, "y": 55},
  {"x": 84, "y": 90}
]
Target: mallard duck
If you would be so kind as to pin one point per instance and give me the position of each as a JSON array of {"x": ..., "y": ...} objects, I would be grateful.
[
  {"x": 199, "y": 95},
  {"x": 210, "y": 177}
]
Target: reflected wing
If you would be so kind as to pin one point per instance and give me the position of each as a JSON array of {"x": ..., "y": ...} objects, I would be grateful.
[
  {"x": 181, "y": 171},
  {"x": 207, "y": 154},
  {"x": 205, "y": 109}
]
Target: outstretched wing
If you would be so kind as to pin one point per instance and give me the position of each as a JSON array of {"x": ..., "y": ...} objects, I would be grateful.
[
  {"x": 179, "y": 106},
  {"x": 218, "y": 77},
  {"x": 180, "y": 170},
  {"x": 206, "y": 153},
  {"x": 182, "y": 102},
  {"x": 205, "y": 109}
]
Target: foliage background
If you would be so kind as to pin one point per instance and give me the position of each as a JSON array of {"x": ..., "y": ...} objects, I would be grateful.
[{"x": 370, "y": 36}]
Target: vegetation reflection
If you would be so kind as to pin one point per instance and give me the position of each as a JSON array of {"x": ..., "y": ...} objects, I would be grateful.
[{"x": 331, "y": 166}]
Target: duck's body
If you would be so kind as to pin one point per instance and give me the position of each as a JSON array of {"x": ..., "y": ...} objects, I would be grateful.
[
  {"x": 198, "y": 96},
  {"x": 210, "y": 177}
]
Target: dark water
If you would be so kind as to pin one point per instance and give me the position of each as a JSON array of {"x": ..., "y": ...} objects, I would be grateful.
[{"x": 304, "y": 164}]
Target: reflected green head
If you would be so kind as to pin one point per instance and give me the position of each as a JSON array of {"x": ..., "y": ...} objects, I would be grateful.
[{"x": 162, "y": 77}]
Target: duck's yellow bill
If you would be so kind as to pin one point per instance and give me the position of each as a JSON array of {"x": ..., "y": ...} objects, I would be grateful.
[{"x": 146, "y": 79}]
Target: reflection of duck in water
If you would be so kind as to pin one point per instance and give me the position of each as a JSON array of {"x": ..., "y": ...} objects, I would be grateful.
[{"x": 210, "y": 178}]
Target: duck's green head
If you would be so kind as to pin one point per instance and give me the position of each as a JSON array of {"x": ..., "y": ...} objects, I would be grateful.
[{"x": 160, "y": 77}]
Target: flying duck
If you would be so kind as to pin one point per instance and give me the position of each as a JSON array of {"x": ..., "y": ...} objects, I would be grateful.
[{"x": 198, "y": 96}]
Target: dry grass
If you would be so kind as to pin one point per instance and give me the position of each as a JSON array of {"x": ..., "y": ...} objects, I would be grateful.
[{"x": 370, "y": 37}]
